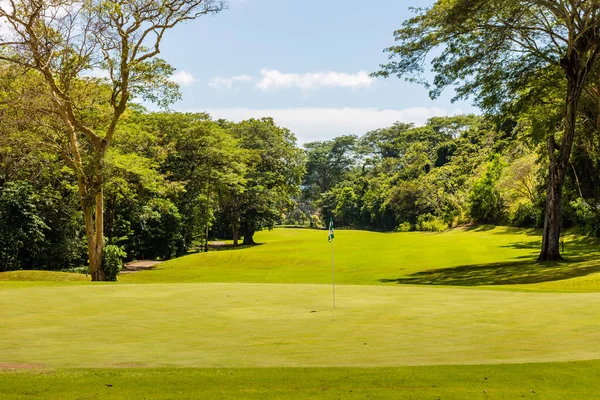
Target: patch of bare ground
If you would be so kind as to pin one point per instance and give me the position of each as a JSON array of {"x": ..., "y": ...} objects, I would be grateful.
[
  {"x": 19, "y": 366},
  {"x": 137, "y": 266}
]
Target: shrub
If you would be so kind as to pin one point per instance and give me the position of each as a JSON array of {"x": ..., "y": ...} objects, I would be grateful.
[
  {"x": 587, "y": 216},
  {"x": 430, "y": 223},
  {"x": 485, "y": 202},
  {"x": 527, "y": 215},
  {"x": 112, "y": 261},
  {"x": 404, "y": 227},
  {"x": 315, "y": 221}
]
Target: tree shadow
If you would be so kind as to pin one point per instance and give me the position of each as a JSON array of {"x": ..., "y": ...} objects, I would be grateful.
[
  {"x": 229, "y": 246},
  {"x": 504, "y": 230},
  {"x": 582, "y": 257},
  {"x": 503, "y": 273},
  {"x": 314, "y": 228}
]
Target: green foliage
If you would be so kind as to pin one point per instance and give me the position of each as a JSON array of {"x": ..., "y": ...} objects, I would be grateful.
[
  {"x": 316, "y": 222},
  {"x": 485, "y": 202},
  {"x": 112, "y": 261},
  {"x": 327, "y": 164},
  {"x": 587, "y": 216},
  {"x": 275, "y": 168},
  {"x": 430, "y": 223},
  {"x": 404, "y": 227},
  {"x": 22, "y": 227},
  {"x": 527, "y": 215},
  {"x": 159, "y": 235}
]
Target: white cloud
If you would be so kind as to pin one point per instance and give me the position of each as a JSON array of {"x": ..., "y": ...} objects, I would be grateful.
[
  {"x": 274, "y": 80},
  {"x": 309, "y": 124},
  {"x": 228, "y": 83},
  {"x": 183, "y": 78},
  {"x": 96, "y": 73}
]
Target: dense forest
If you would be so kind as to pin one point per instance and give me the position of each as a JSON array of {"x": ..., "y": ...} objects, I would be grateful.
[{"x": 452, "y": 171}]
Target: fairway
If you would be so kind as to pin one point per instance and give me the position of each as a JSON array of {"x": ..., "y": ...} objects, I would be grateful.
[
  {"x": 403, "y": 312},
  {"x": 461, "y": 257}
]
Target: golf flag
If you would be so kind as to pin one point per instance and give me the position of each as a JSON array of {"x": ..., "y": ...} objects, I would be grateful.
[
  {"x": 330, "y": 239},
  {"x": 331, "y": 236}
]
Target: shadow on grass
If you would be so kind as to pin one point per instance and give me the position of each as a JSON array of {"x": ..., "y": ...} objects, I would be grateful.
[
  {"x": 502, "y": 273},
  {"x": 582, "y": 257},
  {"x": 505, "y": 230},
  {"x": 228, "y": 247},
  {"x": 299, "y": 227}
]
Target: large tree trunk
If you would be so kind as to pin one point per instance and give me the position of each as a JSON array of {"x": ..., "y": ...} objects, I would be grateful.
[
  {"x": 249, "y": 237},
  {"x": 552, "y": 221},
  {"x": 559, "y": 159}
]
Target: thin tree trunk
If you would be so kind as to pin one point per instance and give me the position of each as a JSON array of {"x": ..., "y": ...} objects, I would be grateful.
[
  {"x": 99, "y": 245},
  {"x": 577, "y": 181},
  {"x": 236, "y": 235},
  {"x": 207, "y": 209}
]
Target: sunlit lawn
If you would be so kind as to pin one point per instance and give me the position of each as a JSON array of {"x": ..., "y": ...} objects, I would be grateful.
[
  {"x": 258, "y": 322},
  {"x": 475, "y": 257}
]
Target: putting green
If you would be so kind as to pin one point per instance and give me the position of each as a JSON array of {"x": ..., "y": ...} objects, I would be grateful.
[{"x": 279, "y": 325}]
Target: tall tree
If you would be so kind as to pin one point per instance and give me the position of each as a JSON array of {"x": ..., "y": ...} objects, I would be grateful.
[
  {"x": 274, "y": 171},
  {"x": 63, "y": 39},
  {"x": 493, "y": 50},
  {"x": 207, "y": 159},
  {"x": 327, "y": 163}
]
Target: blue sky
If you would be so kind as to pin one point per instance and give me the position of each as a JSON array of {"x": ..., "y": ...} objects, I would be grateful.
[{"x": 305, "y": 63}]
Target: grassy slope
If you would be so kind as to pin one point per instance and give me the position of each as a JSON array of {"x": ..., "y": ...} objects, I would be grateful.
[{"x": 500, "y": 256}]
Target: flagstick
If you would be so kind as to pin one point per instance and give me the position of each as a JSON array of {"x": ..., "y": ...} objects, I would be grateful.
[{"x": 333, "y": 273}]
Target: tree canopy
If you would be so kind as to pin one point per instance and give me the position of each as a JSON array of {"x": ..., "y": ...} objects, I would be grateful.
[{"x": 502, "y": 52}]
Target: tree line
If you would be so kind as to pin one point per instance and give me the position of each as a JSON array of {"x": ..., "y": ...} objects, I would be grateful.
[
  {"x": 89, "y": 177},
  {"x": 169, "y": 178}
]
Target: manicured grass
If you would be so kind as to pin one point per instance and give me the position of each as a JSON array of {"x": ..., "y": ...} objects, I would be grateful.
[
  {"x": 578, "y": 380},
  {"x": 258, "y": 322},
  {"x": 477, "y": 257},
  {"x": 279, "y": 325}
]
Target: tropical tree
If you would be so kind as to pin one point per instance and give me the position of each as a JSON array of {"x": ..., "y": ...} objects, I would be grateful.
[
  {"x": 495, "y": 50},
  {"x": 62, "y": 40},
  {"x": 274, "y": 171},
  {"x": 327, "y": 163}
]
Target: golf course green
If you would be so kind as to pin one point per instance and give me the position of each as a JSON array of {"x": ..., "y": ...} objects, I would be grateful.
[{"x": 463, "y": 314}]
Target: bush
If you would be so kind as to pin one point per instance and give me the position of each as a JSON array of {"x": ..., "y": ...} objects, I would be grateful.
[
  {"x": 316, "y": 222},
  {"x": 526, "y": 216},
  {"x": 430, "y": 223},
  {"x": 485, "y": 202},
  {"x": 112, "y": 261},
  {"x": 21, "y": 227},
  {"x": 404, "y": 227},
  {"x": 587, "y": 216}
]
